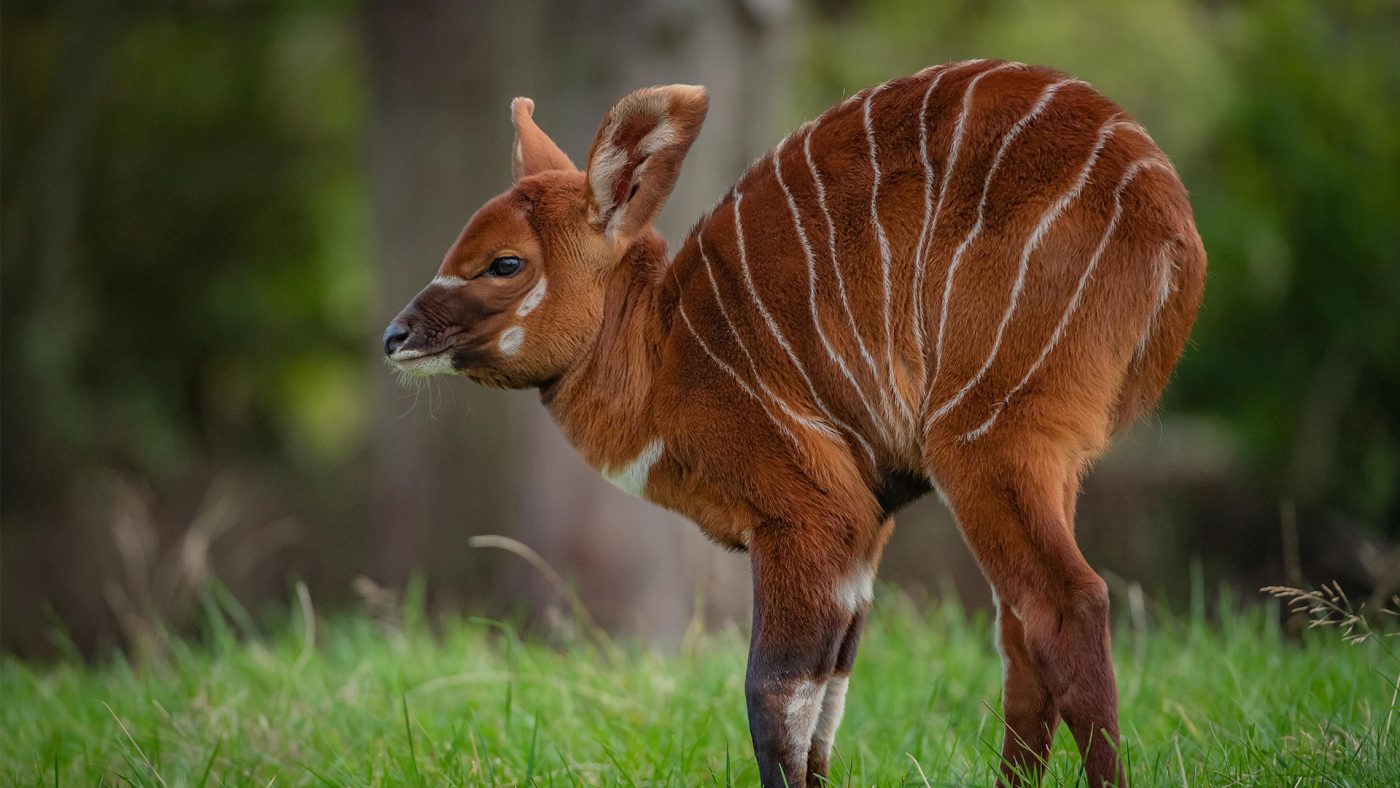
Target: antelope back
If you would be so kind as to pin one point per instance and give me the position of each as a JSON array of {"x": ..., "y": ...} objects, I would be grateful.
[{"x": 980, "y": 246}]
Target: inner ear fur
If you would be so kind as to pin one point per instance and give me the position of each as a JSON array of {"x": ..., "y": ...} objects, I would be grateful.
[
  {"x": 533, "y": 151},
  {"x": 637, "y": 155}
]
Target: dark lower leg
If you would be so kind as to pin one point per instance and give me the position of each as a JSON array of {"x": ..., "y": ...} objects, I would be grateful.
[
  {"x": 1012, "y": 506},
  {"x": 800, "y": 625},
  {"x": 833, "y": 703},
  {"x": 1027, "y": 706},
  {"x": 1073, "y": 652}
]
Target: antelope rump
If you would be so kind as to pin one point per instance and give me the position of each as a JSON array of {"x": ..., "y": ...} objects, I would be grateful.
[{"x": 965, "y": 280}]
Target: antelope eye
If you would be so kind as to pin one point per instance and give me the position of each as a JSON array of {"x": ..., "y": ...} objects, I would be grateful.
[{"x": 504, "y": 266}]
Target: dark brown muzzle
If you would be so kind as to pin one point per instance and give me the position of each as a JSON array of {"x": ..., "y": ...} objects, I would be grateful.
[{"x": 395, "y": 336}]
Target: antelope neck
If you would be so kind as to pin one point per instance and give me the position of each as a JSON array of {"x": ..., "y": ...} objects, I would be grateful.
[{"x": 603, "y": 403}]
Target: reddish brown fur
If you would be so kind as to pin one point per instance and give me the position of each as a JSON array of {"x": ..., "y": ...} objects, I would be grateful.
[{"x": 784, "y": 452}]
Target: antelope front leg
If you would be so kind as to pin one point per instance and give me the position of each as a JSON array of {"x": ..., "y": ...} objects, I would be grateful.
[
  {"x": 853, "y": 592},
  {"x": 807, "y": 593},
  {"x": 834, "y": 701}
]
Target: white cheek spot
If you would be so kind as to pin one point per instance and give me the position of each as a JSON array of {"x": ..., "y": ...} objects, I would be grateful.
[
  {"x": 855, "y": 588},
  {"x": 803, "y": 708},
  {"x": 533, "y": 298},
  {"x": 447, "y": 281},
  {"x": 510, "y": 340},
  {"x": 632, "y": 477}
]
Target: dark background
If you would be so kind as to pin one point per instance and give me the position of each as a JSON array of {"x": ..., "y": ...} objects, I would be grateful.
[{"x": 211, "y": 209}]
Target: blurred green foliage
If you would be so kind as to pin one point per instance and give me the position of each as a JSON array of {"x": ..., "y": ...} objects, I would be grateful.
[
  {"x": 186, "y": 284},
  {"x": 1283, "y": 118},
  {"x": 185, "y": 264}
]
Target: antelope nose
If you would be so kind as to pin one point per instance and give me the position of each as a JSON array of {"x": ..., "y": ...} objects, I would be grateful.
[{"x": 394, "y": 337}]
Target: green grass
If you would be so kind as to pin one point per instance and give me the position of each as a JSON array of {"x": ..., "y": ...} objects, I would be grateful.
[{"x": 471, "y": 703}]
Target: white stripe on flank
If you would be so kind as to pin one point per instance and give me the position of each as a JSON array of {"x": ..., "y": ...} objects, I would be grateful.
[
  {"x": 744, "y": 387},
  {"x": 753, "y": 367},
  {"x": 926, "y": 70},
  {"x": 1036, "y": 236},
  {"x": 916, "y": 289},
  {"x": 884, "y": 246},
  {"x": 836, "y": 270},
  {"x": 773, "y": 327},
  {"x": 812, "y": 301},
  {"x": 976, "y": 230},
  {"x": 953, "y": 148},
  {"x": 1128, "y": 175},
  {"x": 1165, "y": 267}
]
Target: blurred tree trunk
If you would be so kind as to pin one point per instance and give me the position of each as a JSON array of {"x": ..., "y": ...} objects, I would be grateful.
[
  {"x": 486, "y": 462},
  {"x": 439, "y": 467}
]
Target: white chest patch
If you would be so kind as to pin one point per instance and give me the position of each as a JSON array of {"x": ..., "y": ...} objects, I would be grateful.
[
  {"x": 510, "y": 340},
  {"x": 632, "y": 477},
  {"x": 533, "y": 298}
]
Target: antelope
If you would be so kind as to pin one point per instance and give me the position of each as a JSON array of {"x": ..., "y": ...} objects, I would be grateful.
[{"x": 967, "y": 280}]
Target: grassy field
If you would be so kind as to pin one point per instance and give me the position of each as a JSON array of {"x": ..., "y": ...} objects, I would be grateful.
[{"x": 353, "y": 701}]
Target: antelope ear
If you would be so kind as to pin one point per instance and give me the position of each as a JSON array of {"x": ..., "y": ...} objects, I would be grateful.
[
  {"x": 534, "y": 151},
  {"x": 637, "y": 155}
]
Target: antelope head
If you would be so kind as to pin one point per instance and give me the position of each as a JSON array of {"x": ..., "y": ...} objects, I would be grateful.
[{"x": 518, "y": 298}]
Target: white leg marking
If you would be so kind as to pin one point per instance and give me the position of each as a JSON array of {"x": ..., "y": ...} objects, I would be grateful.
[
  {"x": 1128, "y": 175},
  {"x": 958, "y": 129},
  {"x": 447, "y": 281},
  {"x": 812, "y": 301},
  {"x": 533, "y": 298},
  {"x": 744, "y": 387},
  {"x": 884, "y": 246},
  {"x": 632, "y": 477},
  {"x": 855, "y": 589},
  {"x": 773, "y": 327},
  {"x": 1036, "y": 236},
  {"x": 833, "y": 707},
  {"x": 803, "y": 707},
  {"x": 510, "y": 340},
  {"x": 840, "y": 280},
  {"x": 996, "y": 635},
  {"x": 753, "y": 366}
]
